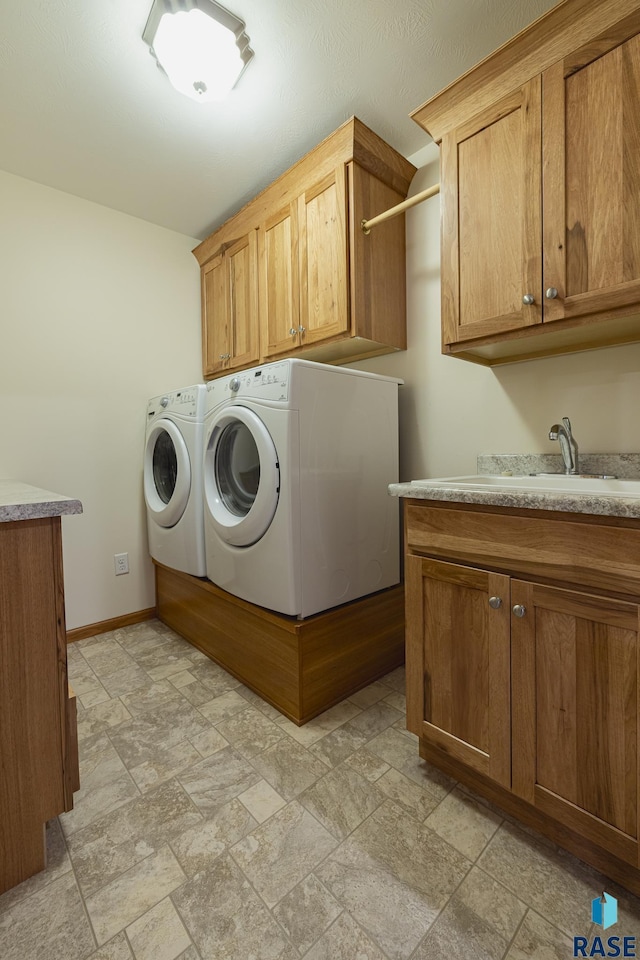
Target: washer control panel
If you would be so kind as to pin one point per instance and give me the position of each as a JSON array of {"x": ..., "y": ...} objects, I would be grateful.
[
  {"x": 270, "y": 382},
  {"x": 183, "y": 402}
]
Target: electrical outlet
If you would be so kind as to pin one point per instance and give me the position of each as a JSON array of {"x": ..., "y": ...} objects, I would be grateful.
[{"x": 121, "y": 561}]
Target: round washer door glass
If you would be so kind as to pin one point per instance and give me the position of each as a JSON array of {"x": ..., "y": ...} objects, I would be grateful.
[
  {"x": 165, "y": 466},
  {"x": 242, "y": 477},
  {"x": 167, "y": 473},
  {"x": 237, "y": 468}
]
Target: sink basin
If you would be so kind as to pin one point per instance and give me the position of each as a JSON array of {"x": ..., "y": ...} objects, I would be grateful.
[{"x": 541, "y": 483}]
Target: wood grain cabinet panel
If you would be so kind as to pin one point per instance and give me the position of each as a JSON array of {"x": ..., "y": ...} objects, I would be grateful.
[
  {"x": 540, "y": 178},
  {"x": 592, "y": 184},
  {"x": 323, "y": 252},
  {"x": 458, "y": 652},
  {"x": 324, "y": 290},
  {"x": 523, "y": 670},
  {"x": 38, "y": 739},
  {"x": 279, "y": 288},
  {"x": 230, "y": 307},
  {"x": 575, "y": 718},
  {"x": 303, "y": 269},
  {"x": 491, "y": 222}
]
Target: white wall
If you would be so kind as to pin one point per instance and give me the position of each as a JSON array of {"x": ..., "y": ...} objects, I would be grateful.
[
  {"x": 452, "y": 410},
  {"x": 98, "y": 312}
]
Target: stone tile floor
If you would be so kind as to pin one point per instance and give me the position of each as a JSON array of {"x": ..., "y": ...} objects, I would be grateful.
[{"x": 209, "y": 827}]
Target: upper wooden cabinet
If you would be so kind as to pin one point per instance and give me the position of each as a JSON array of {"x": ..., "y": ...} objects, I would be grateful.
[
  {"x": 591, "y": 219},
  {"x": 540, "y": 187},
  {"x": 303, "y": 269},
  {"x": 310, "y": 282},
  {"x": 230, "y": 307},
  {"x": 491, "y": 220}
]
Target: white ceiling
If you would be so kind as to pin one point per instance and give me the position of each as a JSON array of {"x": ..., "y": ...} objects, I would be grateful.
[{"x": 85, "y": 109}]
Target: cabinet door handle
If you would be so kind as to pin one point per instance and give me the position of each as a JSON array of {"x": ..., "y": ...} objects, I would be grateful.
[
  {"x": 292, "y": 331},
  {"x": 302, "y": 330},
  {"x": 495, "y": 602},
  {"x": 528, "y": 299},
  {"x": 225, "y": 356},
  {"x": 551, "y": 293},
  {"x": 519, "y": 610}
]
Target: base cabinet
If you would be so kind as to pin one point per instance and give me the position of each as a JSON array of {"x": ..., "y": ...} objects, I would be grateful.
[
  {"x": 575, "y": 712},
  {"x": 461, "y": 698},
  {"x": 38, "y": 739},
  {"x": 530, "y": 685}
]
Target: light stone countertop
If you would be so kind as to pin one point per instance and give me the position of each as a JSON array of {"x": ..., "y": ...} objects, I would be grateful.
[
  {"x": 21, "y": 501},
  {"x": 598, "y": 504}
]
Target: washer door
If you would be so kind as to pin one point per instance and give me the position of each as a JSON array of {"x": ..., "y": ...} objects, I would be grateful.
[
  {"x": 167, "y": 473},
  {"x": 241, "y": 476}
]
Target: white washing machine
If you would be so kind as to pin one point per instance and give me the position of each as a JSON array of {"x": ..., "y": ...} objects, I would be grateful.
[
  {"x": 173, "y": 479},
  {"x": 297, "y": 460}
]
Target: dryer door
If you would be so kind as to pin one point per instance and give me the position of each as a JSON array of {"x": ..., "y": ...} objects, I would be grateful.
[
  {"x": 241, "y": 476},
  {"x": 167, "y": 473}
]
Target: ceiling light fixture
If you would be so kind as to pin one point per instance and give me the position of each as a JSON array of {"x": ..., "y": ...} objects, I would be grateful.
[{"x": 201, "y": 47}]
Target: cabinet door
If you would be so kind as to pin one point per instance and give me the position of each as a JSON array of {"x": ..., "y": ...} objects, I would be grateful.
[
  {"x": 279, "y": 284},
  {"x": 591, "y": 122},
  {"x": 229, "y": 307},
  {"x": 242, "y": 292},
  {"x": 575, "y": 712},
  {"x": 324, "y": 295},
  {"x": 491, "y": 219},
  {"x": 458, "y": 663},
  {"x": 216, "y": 338}
]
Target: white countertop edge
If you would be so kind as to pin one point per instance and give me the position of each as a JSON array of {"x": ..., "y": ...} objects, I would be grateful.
[
  {"x": 593, "y": 504},
  {"x": 21, "y": 501}
]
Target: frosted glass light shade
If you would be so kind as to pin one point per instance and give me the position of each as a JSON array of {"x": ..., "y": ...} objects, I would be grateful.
[
  {"x": 199, "y": 55},
  {"x": 201, "y": 46}
]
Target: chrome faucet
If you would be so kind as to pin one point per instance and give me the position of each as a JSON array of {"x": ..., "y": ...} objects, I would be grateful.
[{"x": 568, "y": 446}]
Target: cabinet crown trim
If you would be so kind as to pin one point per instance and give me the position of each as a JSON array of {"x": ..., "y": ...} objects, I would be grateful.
[
  {"x": 351, "y": 141},
  {"x": 561, "y": 31}
]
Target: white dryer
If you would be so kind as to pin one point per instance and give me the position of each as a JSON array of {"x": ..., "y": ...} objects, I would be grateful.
[
  {"x": 297, "y": 460},
  {"x": 173, "y": 479}
]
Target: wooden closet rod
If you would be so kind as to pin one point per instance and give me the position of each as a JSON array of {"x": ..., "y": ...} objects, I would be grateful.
[{"x": 399, "y": 208}]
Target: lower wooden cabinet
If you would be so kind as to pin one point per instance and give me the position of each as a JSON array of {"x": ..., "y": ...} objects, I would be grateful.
[
  {"x": 461, "y": 695},
  {"x": 38, "y": 738},
  {"x": 575, "y": 712},
  {"x": 531, "y": 688}
]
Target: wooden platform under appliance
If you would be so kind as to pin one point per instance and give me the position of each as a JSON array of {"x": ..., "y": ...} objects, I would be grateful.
[{"x": 302, "y": 667}]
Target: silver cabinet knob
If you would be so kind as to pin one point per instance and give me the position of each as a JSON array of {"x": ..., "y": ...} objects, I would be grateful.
[
  {"x": 495, "y": 602},
  {"x": 302, "y": 330},
  {"x": 528, "y": 299},
  {"x": 225, "y": 356},
  {"x": 519, "y": 610},
  {"x": 292, "y": 331},
  {"x": 551, "y": 293}
]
